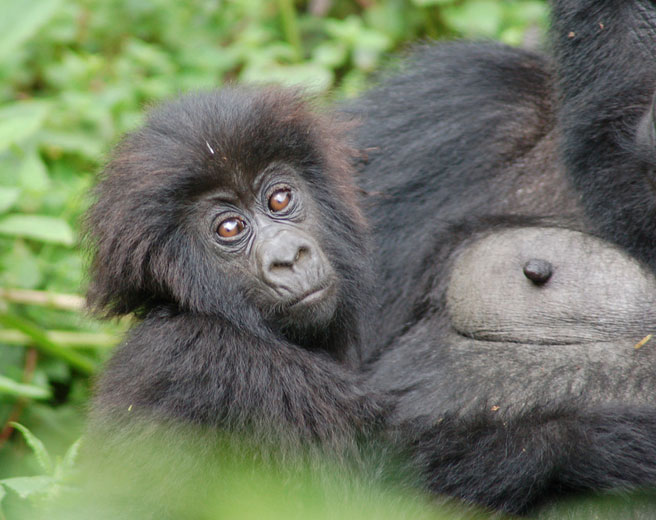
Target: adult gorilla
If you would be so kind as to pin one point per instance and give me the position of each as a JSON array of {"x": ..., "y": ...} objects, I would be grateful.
[{"x": 502, "y": 184}]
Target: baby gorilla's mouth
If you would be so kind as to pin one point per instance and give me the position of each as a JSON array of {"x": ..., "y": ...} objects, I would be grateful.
[
  {"x": 311, "y": 308},
  {"x": 311, "y": 296}
]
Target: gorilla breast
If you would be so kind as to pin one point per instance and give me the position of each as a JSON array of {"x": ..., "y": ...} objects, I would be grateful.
[
  {"x": 549, "y": 286},
  {"x": 528, "y": 318}
]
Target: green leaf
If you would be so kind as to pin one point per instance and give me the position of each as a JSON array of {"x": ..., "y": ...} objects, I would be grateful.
[
  {"x": 475, "y": 18},
  {"x": 22, "y": 20},
  {"x": 33, "y": 174},
  {"x": 78, "y": 142},
  {"x": 311, "y": 76},
  {"x": 427, "y": 3},
  {"x": 11, "y": 387},
  {"x": 8, "y": 197},
  {"x": 369, "y": 47},
  {"x": 19, "y": 121},
  {"x": 42, "y": 455},
  {"x": 69, "y": 459},
  {"x": 71, "y": 455},
  {"x": 38, "y": 227},
  {"x": 2, "y": 495},
  {"x": 19, "y": 267},
  {"x": 330, "y": 54},
  {"x": 26, "y": 486}
]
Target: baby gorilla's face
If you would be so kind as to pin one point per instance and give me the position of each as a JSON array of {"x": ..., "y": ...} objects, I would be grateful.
[{"x": 266, "y": 233}]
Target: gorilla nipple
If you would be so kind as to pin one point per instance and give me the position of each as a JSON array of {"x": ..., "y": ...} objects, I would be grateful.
[{"x": 538, "y": 271}]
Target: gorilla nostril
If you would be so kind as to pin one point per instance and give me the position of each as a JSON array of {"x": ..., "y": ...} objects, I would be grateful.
[
  {"x": 538, "y": 271},
  {"x": 280, "y": 264},
  {"x": 303, "y": 252}
]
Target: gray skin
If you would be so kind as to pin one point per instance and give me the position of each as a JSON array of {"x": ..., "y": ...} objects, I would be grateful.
[{"x": 528, "y": 317}]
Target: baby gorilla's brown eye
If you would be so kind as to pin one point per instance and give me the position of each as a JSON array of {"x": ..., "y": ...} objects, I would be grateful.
[
  {"x": 231, "y": 227},
  {"x": 280, "y": 199}
]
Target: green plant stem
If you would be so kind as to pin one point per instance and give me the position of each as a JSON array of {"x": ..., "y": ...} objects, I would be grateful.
[
  {"x": 65, "y": 338},
  {"x": 11, "y": 387},
  {"x": 44, "y": 344},
  {"x": 290, "y": 26},
  {"x": 68, "y": 302}
]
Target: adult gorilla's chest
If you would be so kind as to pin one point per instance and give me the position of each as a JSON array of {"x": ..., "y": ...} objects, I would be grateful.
[{"x": 502, "y": 341}]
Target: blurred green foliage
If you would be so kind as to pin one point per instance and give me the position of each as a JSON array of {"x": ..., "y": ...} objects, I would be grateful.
[{"x": 75, "y": 74}]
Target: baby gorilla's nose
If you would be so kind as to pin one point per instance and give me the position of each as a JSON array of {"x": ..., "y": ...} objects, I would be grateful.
[
  {"x": 291, "y": 256},
  {"x": 291, "y": 263}
]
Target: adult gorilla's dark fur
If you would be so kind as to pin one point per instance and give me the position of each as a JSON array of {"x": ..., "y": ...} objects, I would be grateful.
[
  {"x": 500, "y": 181},
  {"x": 228, "y": 224}
]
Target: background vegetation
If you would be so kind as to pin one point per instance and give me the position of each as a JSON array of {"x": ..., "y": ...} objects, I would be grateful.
[{"x": 74, "y": 75}]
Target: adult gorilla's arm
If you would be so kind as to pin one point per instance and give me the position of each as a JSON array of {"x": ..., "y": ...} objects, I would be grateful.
[
  {"x": 606, "y": 62},
  {"x": 518, "y": 464}
]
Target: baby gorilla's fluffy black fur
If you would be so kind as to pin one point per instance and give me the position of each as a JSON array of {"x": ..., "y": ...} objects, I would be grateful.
[{"x": 210, "y": 347}]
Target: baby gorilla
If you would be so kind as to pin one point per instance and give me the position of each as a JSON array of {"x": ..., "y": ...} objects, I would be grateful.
[{"x": 227, "y": 224}]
